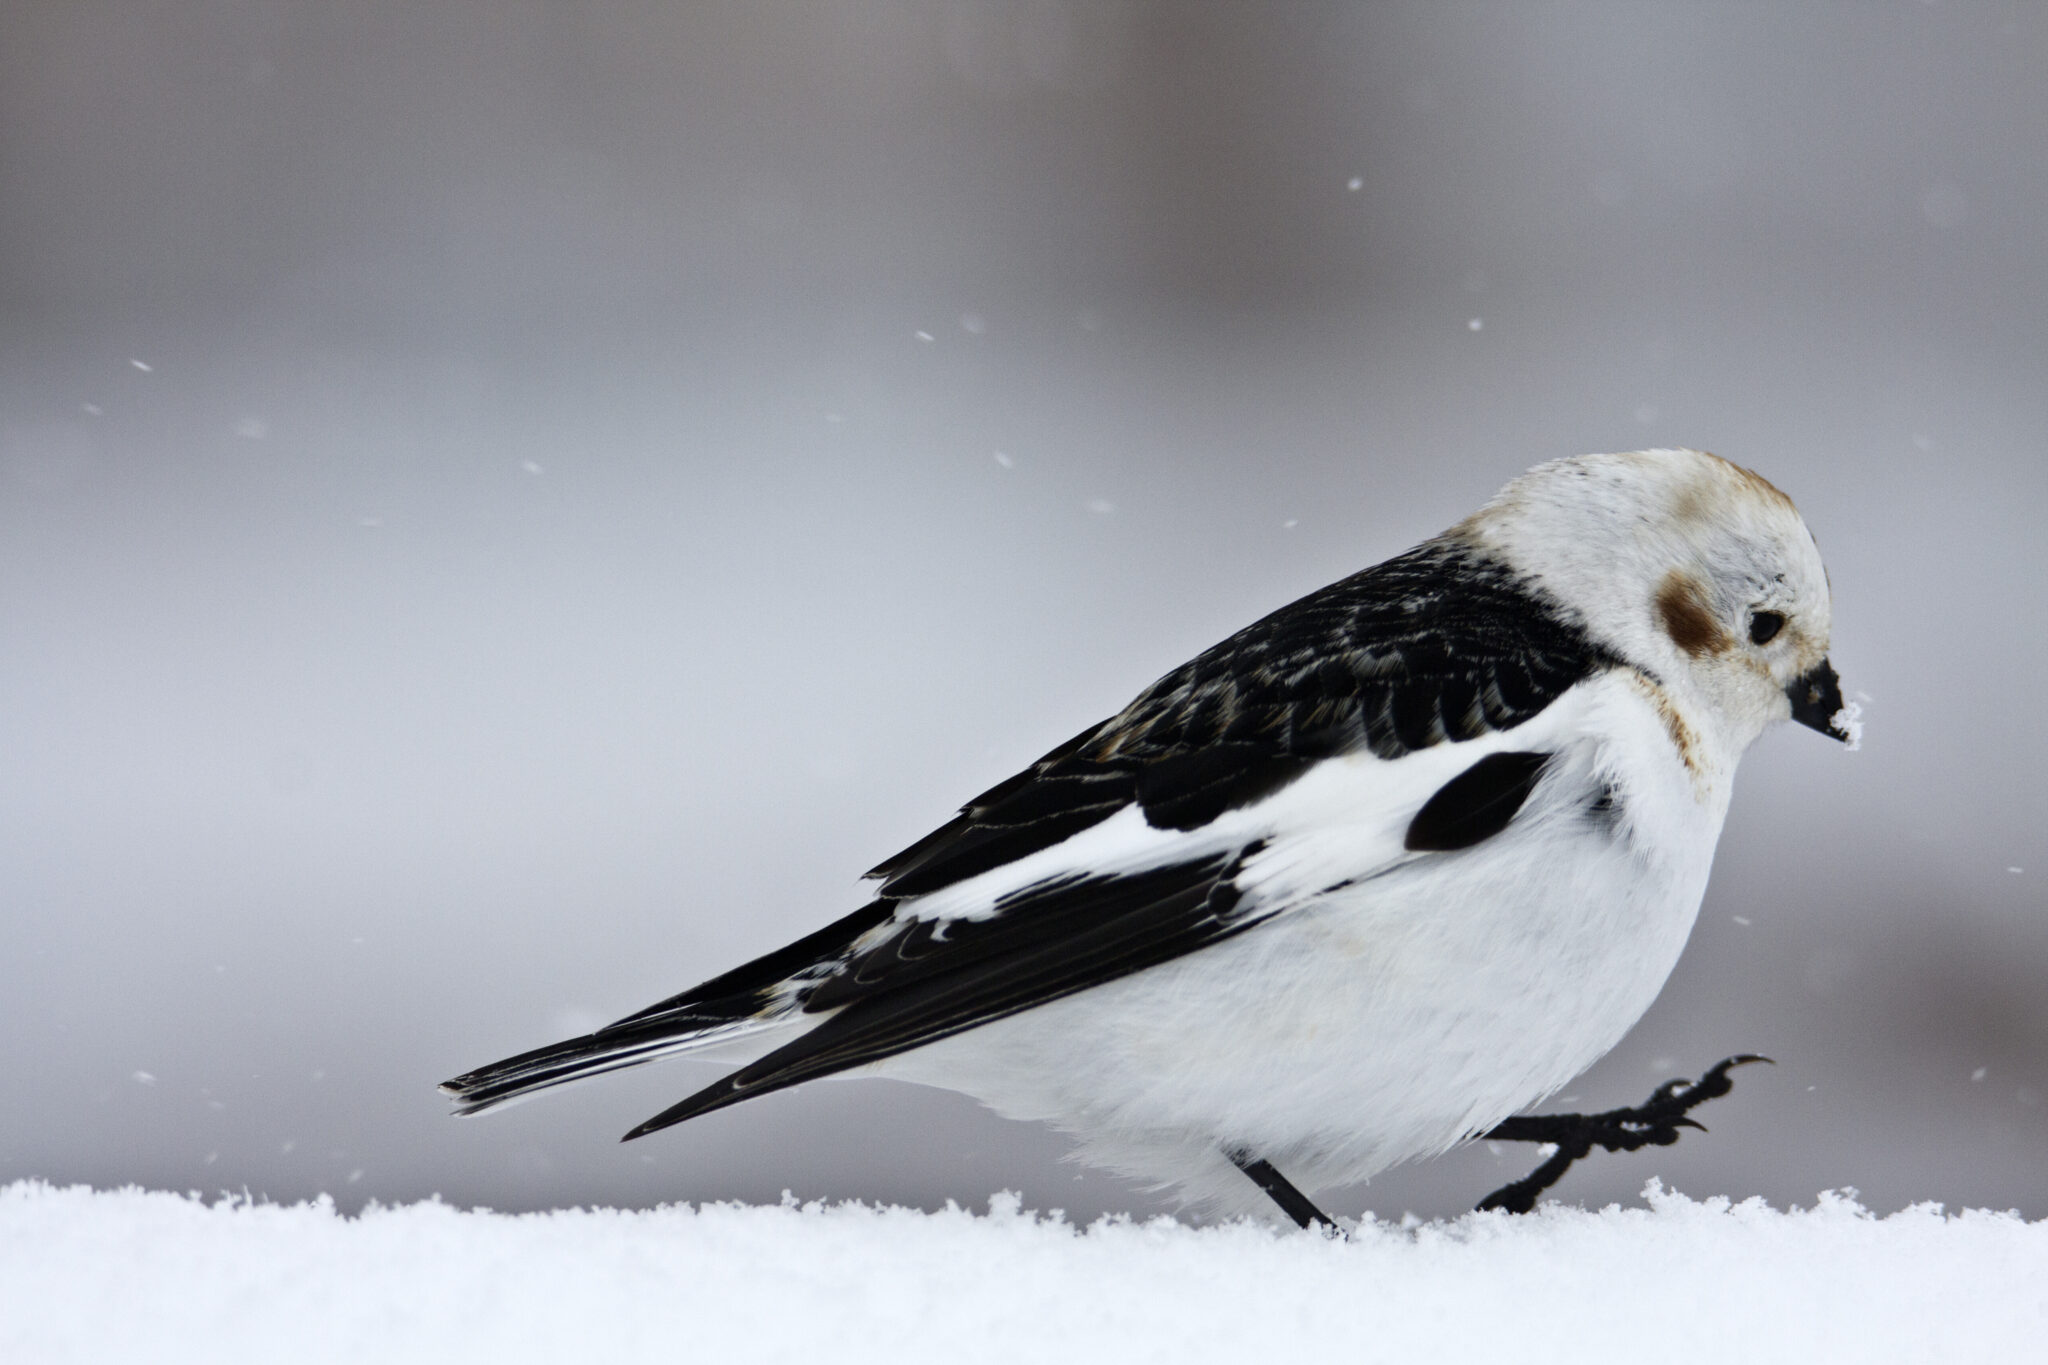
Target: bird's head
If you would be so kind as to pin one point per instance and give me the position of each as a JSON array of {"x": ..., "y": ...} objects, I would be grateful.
[{"x": 1692, "y": 568}]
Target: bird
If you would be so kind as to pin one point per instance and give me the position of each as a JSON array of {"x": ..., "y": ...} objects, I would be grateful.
[{"x": 1360, "y": 882}]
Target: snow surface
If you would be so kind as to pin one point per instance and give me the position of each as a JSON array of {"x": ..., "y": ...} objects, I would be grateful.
[{"x": 135, "y": 1276}]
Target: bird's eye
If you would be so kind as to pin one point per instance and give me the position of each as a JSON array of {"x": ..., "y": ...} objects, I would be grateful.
[{"x": 1764, "y": 627}]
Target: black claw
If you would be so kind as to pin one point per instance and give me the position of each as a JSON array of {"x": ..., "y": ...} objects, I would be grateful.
[{"x": 1653, "y": 1123}]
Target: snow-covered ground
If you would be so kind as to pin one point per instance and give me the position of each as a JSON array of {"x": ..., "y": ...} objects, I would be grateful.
[{"x": 134, "y": 1276}]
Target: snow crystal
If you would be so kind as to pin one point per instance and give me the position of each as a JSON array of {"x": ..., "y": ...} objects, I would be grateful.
[
  {"x": 132, "y": 1275},
  {"x": 1849, "y": 720}
]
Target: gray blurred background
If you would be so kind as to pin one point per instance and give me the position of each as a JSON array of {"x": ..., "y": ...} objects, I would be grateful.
[{"x": 506, "y": 509}]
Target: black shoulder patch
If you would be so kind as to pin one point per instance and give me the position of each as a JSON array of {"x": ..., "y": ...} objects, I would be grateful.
[
  {"x": 1434, "y": 646},
  {"x": 1476, "y": 804}
]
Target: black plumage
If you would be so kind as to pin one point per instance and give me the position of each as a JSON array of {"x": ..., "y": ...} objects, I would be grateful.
[
  {"x": 931, "y": 979},
  {"x": 1476, "y": 804},
  {"x": 1440, "y": 644}
]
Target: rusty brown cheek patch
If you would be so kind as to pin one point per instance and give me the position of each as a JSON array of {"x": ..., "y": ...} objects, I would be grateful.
[{"x": 1682, "y": 607}]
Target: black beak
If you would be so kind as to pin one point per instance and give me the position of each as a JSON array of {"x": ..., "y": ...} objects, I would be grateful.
[{"x": 1817, "y": 700}]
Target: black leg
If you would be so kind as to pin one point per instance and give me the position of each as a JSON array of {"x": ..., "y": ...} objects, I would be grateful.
[
  {"x": 1292, "y": 1202},
  {"x": 1653, "y": 1123}
]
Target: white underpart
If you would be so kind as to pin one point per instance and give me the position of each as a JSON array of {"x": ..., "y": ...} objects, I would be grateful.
[{"x": 1395, "y": 1002}]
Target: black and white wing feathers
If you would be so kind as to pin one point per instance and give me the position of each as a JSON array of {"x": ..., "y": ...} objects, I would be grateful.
[
  {"x": 1437, "y": 645},
  {"x": 927, "y": 979}
]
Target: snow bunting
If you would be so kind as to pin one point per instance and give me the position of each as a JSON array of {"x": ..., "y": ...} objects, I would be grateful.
[{"x": 1361, "y": 881}]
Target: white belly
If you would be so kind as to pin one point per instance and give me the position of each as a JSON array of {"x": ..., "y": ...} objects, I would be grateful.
[{"x": 1379, "y": 1022}]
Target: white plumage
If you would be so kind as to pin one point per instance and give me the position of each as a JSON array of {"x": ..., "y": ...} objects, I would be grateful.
[
  {"x": 1432, "y": 997},
  {"x": 1362, "y": 881}
]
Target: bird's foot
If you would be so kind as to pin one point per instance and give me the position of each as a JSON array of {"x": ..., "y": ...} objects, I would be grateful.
[
  {"x": 1281, "y": 1191},
  {"x": 1653, "y": 1123}
]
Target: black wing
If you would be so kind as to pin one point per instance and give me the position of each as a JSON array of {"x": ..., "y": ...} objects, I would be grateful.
[
  {"x": 1440, "y": 644},
  {"x": 929, "y": 979}
]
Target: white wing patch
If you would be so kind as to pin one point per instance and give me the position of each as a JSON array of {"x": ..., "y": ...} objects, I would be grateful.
[{"x": 1340, "y": 823}]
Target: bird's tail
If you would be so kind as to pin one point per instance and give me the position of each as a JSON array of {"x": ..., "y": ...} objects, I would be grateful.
[
  {"x": 630, "y": 1042},
  {"x": 721, "y": 1015}
]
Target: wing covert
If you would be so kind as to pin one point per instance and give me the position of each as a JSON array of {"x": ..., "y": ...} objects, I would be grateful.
[{"x": 1440, "y": 644}]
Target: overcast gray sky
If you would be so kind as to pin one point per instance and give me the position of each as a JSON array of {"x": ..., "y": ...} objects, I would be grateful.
[{"x": 507, "y": 509}]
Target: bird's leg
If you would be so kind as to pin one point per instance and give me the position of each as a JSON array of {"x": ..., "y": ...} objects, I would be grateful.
[
  {"x": 1292, "y": 1202},
  {"x": 1653, "y": 1123}
]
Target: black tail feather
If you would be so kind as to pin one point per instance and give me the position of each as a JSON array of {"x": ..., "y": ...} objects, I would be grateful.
[
  {"x": 609, "y": 1049},
  {"x": 698, "y": 1016}
]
